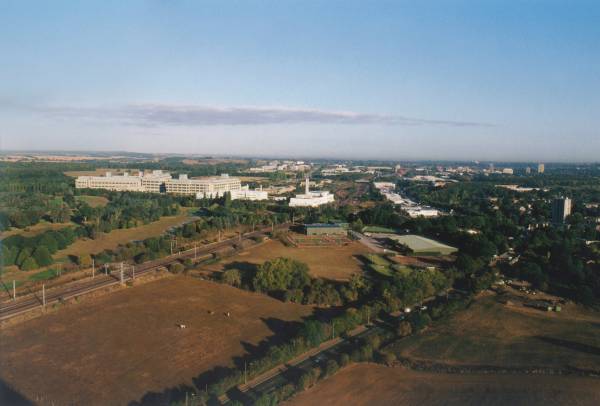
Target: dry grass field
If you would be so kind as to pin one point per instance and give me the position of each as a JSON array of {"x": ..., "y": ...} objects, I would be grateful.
[
  {"x": 93, "y": 201},
  {"x": 115, "y": 348},
  {"x": 371, "y": 384},
  {"x": 492, "y": 333},
  {"x": 34, "y": 230},
  {"x": 121, "y": 236},
  {"x": 336, "y": 263}
]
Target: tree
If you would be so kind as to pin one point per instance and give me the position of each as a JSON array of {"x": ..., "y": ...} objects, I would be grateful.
[
  {"x": 232, "y": 277},
  {"x": 23, "y": 255},
  {"x": 227, "y": 199},
  {"x": 9, "y": 255},
  {"x": 313, "y": 331},
  {"x": 281, "y": 274},
  {"x": 49, "y": 242},
  {"x": 585, "y": 295},
  {"x": 189, "y": 230},
  {"x": 42, "y": 256},
  {"x": 29, "y": 264},
  {"x": 533, "y": 273},
  {"x": 357, "y": 225}
]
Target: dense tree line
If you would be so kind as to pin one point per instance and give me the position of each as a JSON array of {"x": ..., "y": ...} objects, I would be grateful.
[
  {"x": 35, "y": 191},
  {"x": 213, "y": 218},
  {"x": 33, "y": 252},
  {"x": 31, "y": 192},
  {"x": 552, "y": 258},
  {"x": 125, "y": 210}
]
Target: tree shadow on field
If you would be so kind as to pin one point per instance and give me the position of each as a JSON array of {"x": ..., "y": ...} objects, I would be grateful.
[
  {"x": 281, "y": 329},
  {"x": 242, "y": 266},
  {"x": 572, "y": 345},
  {"x": 166, "y": 397},
  {"x": 9, "y": 396},
  {"x": 364, "y": 264}
]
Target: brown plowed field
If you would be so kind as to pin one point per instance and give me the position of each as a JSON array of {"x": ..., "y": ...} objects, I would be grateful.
[
  {"x": 115, "y": 348},
  {"x": 335, "y": 263},
  {"x": 370, "y": 384}
]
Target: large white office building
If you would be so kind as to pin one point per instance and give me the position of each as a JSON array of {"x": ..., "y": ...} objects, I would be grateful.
[
  {"x": 161, "y": 182},
  {"x": 311, "y": 198},
  {"x": 123, "y": 183},
  {"x": 206, "y": 187}
]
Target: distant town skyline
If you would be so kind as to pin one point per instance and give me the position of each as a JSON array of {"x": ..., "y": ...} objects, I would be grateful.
[{"x": 460, "y": 80}]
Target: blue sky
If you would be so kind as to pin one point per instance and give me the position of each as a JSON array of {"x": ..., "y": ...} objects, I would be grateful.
[{"x": 488, "y": 80}]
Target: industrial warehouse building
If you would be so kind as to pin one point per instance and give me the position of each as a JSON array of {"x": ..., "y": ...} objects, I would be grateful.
[
  {"x": 325, "y": 229},
  {"x": 424, "y": 246},
  {"x": 419, "y": 245}
]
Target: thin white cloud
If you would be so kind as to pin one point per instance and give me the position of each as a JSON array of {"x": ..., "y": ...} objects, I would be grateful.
[{"x": 191, "y": 115}]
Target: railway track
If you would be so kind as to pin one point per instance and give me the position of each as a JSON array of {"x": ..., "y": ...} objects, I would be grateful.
[{"x": 37, "y": 300}]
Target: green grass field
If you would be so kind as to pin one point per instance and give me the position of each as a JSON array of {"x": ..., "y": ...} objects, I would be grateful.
[
  {"x": 377, "y": 229},
  {"x": 34, "y": 230},
  {"x": 379, "y": 264},
  {"x": 43, "y": 275}
]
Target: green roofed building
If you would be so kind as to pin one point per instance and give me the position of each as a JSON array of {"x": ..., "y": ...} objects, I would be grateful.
[
  {"x": 424, "y": 246},
  {"x": 419, "y": 245},
  {"x": 325, "y": 229}
]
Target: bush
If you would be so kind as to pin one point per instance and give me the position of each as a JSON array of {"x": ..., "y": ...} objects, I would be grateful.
[
  {"x": 404, "y": 329},
  {"x": 232, "y": 277},
  {"x": 309, "y": 378},
  {"x": 331, "y": 367},
  {"x": 285, "y": 392},
  {"x": 366, "y": 353},
  {"x": 294, "y": 295},
  {"x": 374, "y": 341},
  {"x": 420, "y": 320},
  {"x": 266, "y": 399},
  {"x": 176, "y": 267},
  {"x": 388, "y": 358},
  {"x": 344, "y": 360},
  {"x": 84, "y": 261}
]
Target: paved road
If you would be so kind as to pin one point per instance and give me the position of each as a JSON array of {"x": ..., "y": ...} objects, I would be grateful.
[
  {"x": 368, "y": 242},
  {"x": 34, "y": 301}
]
